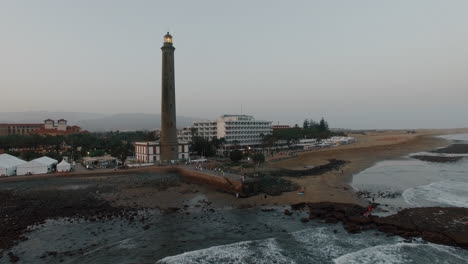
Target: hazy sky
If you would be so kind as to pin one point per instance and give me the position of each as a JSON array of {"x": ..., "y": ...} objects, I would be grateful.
[{"x": 360, "y": 64}]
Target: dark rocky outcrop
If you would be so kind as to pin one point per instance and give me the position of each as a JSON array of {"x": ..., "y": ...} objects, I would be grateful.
[
  {"x": 439, "y": 225},
  {"x": 440, "y": 159},
  {"x": 333, "y": 164},
  {"x": 453, "y": 149},
  {"x": 19, "y": 211}
]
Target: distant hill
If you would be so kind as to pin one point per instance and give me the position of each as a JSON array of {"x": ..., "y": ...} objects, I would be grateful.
[
  {"x": 96, "y": 121},
  {"x": 40, "y": 116},
  {"x": 130, "y": 122}
]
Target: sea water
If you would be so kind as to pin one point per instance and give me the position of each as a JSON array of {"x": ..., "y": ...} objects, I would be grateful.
[
  {"x": 232, "y": 235},
  {"x": 408, "y": 182},
  {"x": 226, "y": 236}
]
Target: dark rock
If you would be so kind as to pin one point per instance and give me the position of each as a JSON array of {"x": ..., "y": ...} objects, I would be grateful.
[
  {"x": 13, "y": 257},
  {"x": 440, "y": 159},
  {"x": 171, "y": 210},
  {"x": 304, "y": 219},
  {"x": 287, "y": 212},
  {"x": 440, "y": 225},
  {"x": 298, "y": 206},
  {"x": 453, "y": 149}
]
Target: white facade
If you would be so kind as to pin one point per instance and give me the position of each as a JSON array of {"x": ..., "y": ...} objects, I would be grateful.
[
  {"x": 63, "y": 166},
  {"x": 41, "y": 165},
  {"x": 184, "y": 135},
  {"x": 8, "y": 164},
  {"x": 242, "y": 130},
  {"x": 150, "y": 151},
  {"x": 61, "y": 124},
  {"x": 206, "y": 129}
]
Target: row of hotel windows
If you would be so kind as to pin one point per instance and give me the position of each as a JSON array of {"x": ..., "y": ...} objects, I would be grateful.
[
  {"x": 247, "y": 123},
  {"x": 248, "y": 127},
  {"x": 245, "y": 132},
  {"x": 204, "y": 124},
  {"x": 241, "y": 141},
  {"x": 240, "y": 137}
]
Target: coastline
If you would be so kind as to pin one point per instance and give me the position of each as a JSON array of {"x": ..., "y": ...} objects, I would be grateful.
[
  {"x": 331, "y": 186},
  {"x": 122, "y": 193},
  {"x": 334, "y": 186}
]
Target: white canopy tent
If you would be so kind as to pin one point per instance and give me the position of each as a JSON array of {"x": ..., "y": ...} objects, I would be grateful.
[
  {"x": 41, "y": 165},
  {"x": 63, "y": 166},
  {"x": 8, "y": 164}
]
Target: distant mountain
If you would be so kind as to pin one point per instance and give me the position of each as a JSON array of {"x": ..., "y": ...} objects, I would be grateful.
[
  {"x": 96, "y": 121},
  {"x": 40, "y": 116},
  {"x": 125, "y": 122}
]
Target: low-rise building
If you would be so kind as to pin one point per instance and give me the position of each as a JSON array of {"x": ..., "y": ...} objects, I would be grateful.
[
  {"x": 61, "y": 128},
  {"x": 47, "y": 128},
  {"x": 279, "y": 127},
  {"x": 100, "y": 162},
  {"x": 150, "y": 151},
  {"x": 19, "y": 129},
  {"x": 9, "y": 164},
  {"x": 41, "y": 165}
]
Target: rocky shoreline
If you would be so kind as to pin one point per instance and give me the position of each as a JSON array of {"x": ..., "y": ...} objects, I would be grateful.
[
  {"x": 440, "y": 159},
  {"x": 19, "y": 212},
  {"x": 453, "y": 149},
  {"x": 440, "y": 225}
]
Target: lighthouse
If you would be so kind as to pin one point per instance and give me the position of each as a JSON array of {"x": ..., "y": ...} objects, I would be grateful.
[{"x": 168, "y": 140}]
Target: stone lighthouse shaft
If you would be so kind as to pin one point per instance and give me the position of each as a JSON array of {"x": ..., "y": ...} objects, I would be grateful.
[{"x": 168, "y": 140}]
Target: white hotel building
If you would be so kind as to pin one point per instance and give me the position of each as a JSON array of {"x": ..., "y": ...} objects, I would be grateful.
[{"x": 241, "y": 129}]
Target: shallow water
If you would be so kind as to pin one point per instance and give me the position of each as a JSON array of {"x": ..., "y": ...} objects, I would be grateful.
[{"x": 417, "y": 183}]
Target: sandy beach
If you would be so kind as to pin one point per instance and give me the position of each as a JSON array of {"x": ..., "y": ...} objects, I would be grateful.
[{"x": 334, "y": 186}]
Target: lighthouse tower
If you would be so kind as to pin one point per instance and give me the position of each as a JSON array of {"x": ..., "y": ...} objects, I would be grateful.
[{"x": 168, "y": 141}]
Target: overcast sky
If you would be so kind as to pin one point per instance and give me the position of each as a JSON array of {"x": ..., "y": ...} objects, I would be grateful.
[{"x": 359, "y": 64}]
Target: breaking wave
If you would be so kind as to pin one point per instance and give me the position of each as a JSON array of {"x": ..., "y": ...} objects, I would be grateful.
[
  {"x": 403, "y": 253},
  {"x": 260, "y": 251},
  {"x": 448, "y": 193}
]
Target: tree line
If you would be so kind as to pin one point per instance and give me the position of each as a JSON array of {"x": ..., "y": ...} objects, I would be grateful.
[
  {"x": 310, "y": 129},
  {"x": 76, "y": 146}
]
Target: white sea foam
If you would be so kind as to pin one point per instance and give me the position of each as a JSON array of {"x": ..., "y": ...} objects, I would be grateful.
[
  {"x": 463, "y": 137},
  {"x": 402, "y": 253},
  {"x": 452, "y": 193},
  {"x": 127, "y": 244},
  {"x": 259, "y": 251},
  {"x": 323, "y": 243},
  {"x": 434, "y": 154}
]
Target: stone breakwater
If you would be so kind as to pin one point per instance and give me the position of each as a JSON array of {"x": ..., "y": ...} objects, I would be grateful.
[{"x": 440, "y": 225}]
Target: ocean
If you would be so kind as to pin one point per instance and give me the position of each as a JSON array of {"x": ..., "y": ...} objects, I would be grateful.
[{"x": 229, "y": 235}]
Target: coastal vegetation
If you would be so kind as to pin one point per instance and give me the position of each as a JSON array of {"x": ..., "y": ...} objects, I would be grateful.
[
  {"x": 309, "y": 130},
  {"x": 75, "y": 146},
  {"x": 236, "y": 155}
]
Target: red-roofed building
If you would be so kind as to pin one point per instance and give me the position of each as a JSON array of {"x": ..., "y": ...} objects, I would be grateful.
[
  {"x": 19, "y": 129},
  {"x": 48, "y": 128}
]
